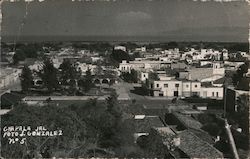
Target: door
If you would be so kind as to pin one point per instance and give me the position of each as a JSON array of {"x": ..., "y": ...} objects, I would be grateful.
[{"x": 176, "y": 93}]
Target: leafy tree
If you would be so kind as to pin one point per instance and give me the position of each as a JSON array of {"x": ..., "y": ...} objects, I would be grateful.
[
  {"x": 131, "y": 77},
  {"x": 239, "y": 76},
  {"x": 87, "y": 82},
  {"x": 145, "y": 88},
  {"x": 172, "y": 45},
  {"x": 18, "y": 56},
  {"x": 243, "y": 112},
  {"x": 153, "y": 76},
  {"x": 212, "y": 128},
  {"x": 49, "y": 75},
  {"x": 112, "y": 104},
  {"x": 26, "y": 79},
  {"x": 119, "y": 55},
  {"x": 98, "y": 70},
  {"x": 237, "y": 58},
  {"x": 68, "y": 71},
  {"x": 153, "y": 145}
]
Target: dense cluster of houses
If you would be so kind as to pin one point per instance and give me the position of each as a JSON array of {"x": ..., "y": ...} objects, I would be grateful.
[
  {"x": 177, "y": 130},
  {"x": 9, "y": 76},
  {"x": 197, "y": 72}
]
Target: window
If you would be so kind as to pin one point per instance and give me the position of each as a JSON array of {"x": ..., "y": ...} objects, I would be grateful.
[
  {"x": 212, "y": 94},
  {"x": 195, "y": 86},
  {"x": 157, "y": 85},
  {"x": 165, "y": 85},
  {"x": 144, "y": 75},
  {"x": 187, "y": 85},
  {"x": 217, "y": 94},
  {"x": 176, "y": 85}
]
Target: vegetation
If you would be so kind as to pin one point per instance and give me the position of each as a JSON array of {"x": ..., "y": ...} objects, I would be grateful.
[
  {"x": 18, "y": 56},
  {"x": 26, "y": 79},
  {"x": 118, "y": 55},
  {"x": 130, "y": 77},
  {"x": 239, "y": 79},
  {"x": 153, "y": 145},
  {"x": 68, "y": 71},
  {"x": 89, "y": 130},
  {"x": 49, "y": 75},
  {"x": 87, "y": 82},
  {"x": 26, "y": 51},
  {"x": 69, "y": 74},
  {"x": 237, "y": 58}
]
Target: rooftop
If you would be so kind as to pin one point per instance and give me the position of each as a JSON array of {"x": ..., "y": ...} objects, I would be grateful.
[
  {"x": 145, "y": 124},
  {"x": 188, "y": 121},
  {"x": 195, "y": 147}
]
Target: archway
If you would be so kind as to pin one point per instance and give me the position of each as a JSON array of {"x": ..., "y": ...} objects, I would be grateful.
[
  {"x": 97, "y": 81},
  {"x": 105, "y": 81}
]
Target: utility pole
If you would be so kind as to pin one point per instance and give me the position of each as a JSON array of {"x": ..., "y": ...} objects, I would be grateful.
[
  {"x": 1, "y": 19},
  {"x": 231, "y": 140}
]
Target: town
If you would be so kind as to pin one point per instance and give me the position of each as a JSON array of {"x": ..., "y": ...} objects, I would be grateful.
[{"x": 130, "y": 99}]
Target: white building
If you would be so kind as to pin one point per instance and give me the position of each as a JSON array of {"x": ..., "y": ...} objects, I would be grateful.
[
  {"x": 84, "y": 67},
  {"x": 185, "y": 88},
  {"x": 84, "y": 52},
  {"x": 141, "y": 49},
  {"x": 144, "y": 76},
  {"x": 123, "y": 48},
  {"x": 212, "y": 92},
  {"x": 176, "y": 88},
  {"x": 142, "y": 65},
  {"x": 9, "y": 76}
]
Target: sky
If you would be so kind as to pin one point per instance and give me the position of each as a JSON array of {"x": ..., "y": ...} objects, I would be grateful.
[{"x": 194, "y": 20}]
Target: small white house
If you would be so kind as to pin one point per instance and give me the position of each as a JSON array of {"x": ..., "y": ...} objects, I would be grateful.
[
  {"x": 212, "y": 92},
  {"x": 144, "y": 76},
  {"x": 123, "y": 48}
]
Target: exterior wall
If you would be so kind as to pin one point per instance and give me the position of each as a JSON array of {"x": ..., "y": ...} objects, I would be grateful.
[
  {"x": 196, "y": 88},
  {"x": 120, "y": 48},
  {"x": 212, "y": 92},
  {"x": 144, "y": 76},
  {"x": 202, "y": 63},
  {"x": 186, "y": 88},
  {"x": 138, "y": 65},
  {"x": 9, "y": 77},
  {"x": 200, "y": 73},
  {"x": 84, "y": 67},
  {"x": 169, "y": 88},
  {"x": 217, "y": 69},
  {"x": 190, "y": 88},
  {"x": 184, "y": 75}
]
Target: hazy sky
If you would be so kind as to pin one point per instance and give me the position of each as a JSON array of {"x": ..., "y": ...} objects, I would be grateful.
[{"x": 227, "y": 21}]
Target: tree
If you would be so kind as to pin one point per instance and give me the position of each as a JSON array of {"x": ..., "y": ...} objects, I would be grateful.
[
  {"x": 212, "y": 128},
  {"x": 131, "y": 77},
  {"x": 239, "y": 76},
  {"x": 26, "y": 79},
  {"x": 112, "y": 104},
  {"x": 68, "y": 71},
  {"x": 87, "y": 82},
  {"x": 49, "y": 75},
  {"x": 153, "y": 76},
  {"x": 172, "y": 45},
  {"x": 18, "y": 56},
  {"x": 153, "y": 144},
  {"x": 98, "y": 70},
  {"x": 119, "y": 55}
]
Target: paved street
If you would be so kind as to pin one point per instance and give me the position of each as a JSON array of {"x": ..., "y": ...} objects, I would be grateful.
[
  {"x": 122, "y": 89},
  {"x": 13, "y": 87}
]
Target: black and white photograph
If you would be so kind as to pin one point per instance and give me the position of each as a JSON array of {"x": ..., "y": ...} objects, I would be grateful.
[{"x": 164, "y": 79}]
